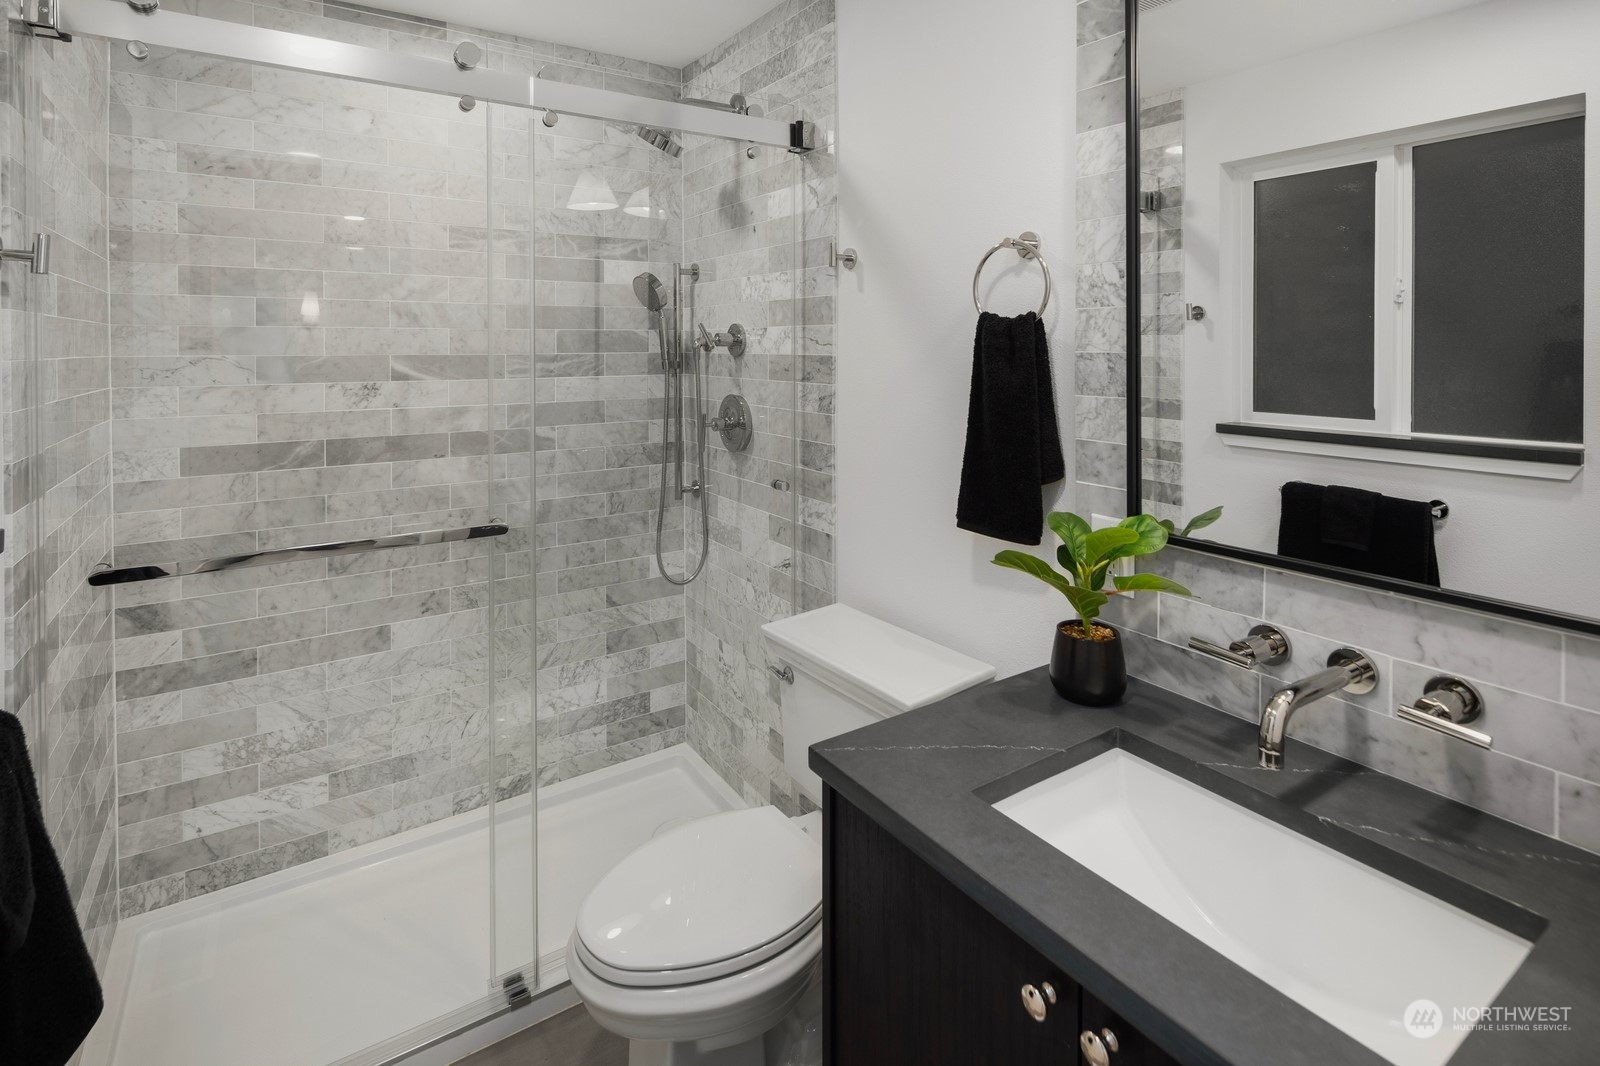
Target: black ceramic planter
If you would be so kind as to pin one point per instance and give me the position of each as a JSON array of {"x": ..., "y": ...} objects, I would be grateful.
[{"x": 1091, "y": 672}]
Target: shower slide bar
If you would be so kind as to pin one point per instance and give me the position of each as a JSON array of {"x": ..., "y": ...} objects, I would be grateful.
[
  {"x": 117, "y": 20},
  {"x": 126, "y": 574}
]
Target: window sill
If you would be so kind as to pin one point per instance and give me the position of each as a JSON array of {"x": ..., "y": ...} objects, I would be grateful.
[{"x": 1517, "y": 460}]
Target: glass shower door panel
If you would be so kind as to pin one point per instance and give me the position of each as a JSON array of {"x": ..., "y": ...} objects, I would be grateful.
[
  {"x": 510, "y": 591},
  {"x": 301, "y": 353}
]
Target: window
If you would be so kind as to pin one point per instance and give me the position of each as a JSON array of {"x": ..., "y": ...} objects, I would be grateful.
[{"x": 1426, "y": 288}]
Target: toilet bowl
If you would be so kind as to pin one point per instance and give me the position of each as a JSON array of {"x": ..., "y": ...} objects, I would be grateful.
[{"x": 700, "y": 944}]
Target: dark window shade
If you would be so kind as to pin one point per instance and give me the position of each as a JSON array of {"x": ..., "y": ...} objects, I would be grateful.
[
  {"x": 1315, "y": 241},
  {"x": 1498, "y": 311}
]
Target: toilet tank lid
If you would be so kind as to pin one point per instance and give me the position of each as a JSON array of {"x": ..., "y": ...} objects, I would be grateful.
[{"x": 906, "y": 671}]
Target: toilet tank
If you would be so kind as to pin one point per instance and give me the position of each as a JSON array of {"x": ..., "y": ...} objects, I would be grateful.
[{"x": 851, "y": 669}]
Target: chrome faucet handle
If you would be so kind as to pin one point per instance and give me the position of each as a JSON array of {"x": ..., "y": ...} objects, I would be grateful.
[
  {"x": 1265, "y": 646},
  {"x": 1446, "y": 706}
]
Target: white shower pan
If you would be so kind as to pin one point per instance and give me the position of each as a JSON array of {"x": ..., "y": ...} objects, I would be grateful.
[{"x": 313, "y": 964}]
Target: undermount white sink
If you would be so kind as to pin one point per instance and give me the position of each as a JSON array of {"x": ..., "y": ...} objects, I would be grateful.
[{"x": 1350, "y": 944}]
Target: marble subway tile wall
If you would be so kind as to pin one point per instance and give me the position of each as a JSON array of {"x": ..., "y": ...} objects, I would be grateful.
[
  {"x": 611, "y": 629},
  {"x": 759, "y": 227},
  {"x": 261, "y": 736},
  {"x": 1161, "y": 297},
  {"x": 1100, "y": 388},
  {"x": 1541, "y": 687},
  {"x": 299, "y": 348},
  {"x": 56, "y": 457}
]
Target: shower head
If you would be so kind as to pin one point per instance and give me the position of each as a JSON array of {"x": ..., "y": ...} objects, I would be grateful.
[
  {"x": 648, "y": 288},
  {"x": 660, "y": 139}
]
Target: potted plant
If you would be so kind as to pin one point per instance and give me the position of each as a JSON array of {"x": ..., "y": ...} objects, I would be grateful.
[{"x": 1087, "y": 665}]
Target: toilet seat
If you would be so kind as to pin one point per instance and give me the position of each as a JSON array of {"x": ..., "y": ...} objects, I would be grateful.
[
  {"x": 694, "y": 974},
  {"x": 710, "y": 898}
]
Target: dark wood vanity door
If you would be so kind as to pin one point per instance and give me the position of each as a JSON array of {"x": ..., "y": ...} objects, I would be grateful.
[
  {"x": 917, "y": 973},
  {"x": 1133, "y": 1048}
]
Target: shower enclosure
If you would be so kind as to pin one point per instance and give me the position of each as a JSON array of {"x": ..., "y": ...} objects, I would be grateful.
[{"x": 377, "y": 574}]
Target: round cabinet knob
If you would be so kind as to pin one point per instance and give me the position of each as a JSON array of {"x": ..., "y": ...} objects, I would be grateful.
[
  {"x": 1033, "y": 1002},
  {"x": 1096, "y": 1048}
]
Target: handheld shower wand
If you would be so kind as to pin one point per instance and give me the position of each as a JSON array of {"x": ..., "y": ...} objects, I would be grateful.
[{"x": 653, "y": 296}]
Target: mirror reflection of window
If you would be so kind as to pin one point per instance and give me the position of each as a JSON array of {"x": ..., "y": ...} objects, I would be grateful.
[
  {"x": 1315, "y": 237},
  {"x": 1498, "y": 316},
  {"x": 1481, "y": 334}
]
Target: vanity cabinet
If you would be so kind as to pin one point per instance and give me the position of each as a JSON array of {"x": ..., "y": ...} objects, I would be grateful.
[{"x": 916, "y": 972}]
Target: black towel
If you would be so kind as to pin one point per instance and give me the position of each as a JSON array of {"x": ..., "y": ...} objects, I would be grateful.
[
  {"x": 49, "y": 994},
  {"x": 1359, "y": 530},
  {"x": 1013, "y": 443}
]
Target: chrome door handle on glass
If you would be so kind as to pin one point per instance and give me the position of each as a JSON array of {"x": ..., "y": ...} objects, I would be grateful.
[
  {"x": 1265, "y": 646},
  {"x": 1446, "y": 706}
]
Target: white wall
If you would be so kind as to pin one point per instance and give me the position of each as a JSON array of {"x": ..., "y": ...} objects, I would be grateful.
[
  {"x": 1495, "y": 55},
  {"x": 958, "y": 130}
]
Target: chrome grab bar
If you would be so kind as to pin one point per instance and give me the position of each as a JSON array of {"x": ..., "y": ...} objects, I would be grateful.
[{"x": 293, "y": 555}]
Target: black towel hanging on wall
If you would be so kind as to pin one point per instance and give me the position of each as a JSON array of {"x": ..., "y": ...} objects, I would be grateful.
[
  {"x": 1359, "y": 530},
  {"x": 49, "y": 993},
  {"x": 1013, "y": 444}
]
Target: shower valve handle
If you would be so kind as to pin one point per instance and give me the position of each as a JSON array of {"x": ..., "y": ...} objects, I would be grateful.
[{"x": 733, "y": 340}]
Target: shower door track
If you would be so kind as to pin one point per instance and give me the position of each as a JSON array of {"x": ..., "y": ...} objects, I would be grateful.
[{"x": 278, "y": 48}]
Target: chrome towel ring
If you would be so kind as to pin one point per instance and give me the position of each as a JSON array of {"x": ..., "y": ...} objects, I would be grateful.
[{"x": 1026, "y": 246}]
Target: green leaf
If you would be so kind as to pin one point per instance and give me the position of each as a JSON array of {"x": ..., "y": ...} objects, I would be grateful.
[
  {"x": 1149, "y": 537},
  {"x": 1072, "y": 530},
  {"x": 1088, "y": 603},
  {"x": 1169, "y": 525},
  {"x": 1040, "y": 569},
  {"x": 1201, "y": 521},
  {"x": 1103, "y": 544},
  {"x": 1149, "y": 583}
]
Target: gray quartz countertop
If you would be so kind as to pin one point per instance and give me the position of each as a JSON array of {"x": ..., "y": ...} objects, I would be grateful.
[{"x": 930, "y": 777}]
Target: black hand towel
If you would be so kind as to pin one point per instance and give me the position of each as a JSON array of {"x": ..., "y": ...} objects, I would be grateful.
[
  {"x": 1013, "y": 442},
  {"x": 49, "y": 994},
  {"x": 1348, "y": 516},
  {"x": 1359, "y": 530}
]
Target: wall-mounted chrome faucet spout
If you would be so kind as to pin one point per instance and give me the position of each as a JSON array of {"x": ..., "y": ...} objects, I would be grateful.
[{"x": 1348, "y": 671}]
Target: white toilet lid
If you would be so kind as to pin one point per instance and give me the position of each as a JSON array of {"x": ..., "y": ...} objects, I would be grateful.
[{"x": 709, "y": 891}]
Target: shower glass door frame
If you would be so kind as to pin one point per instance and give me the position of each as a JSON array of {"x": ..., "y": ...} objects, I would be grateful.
[
  {"x": 114, "y": 19},
  {"x": 510, "y": 980}
]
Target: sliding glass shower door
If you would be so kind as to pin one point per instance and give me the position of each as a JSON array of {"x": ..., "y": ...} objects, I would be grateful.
[{"x": 319, "y": 339}]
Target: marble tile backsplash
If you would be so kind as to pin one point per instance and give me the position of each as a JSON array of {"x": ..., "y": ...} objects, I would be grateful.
[{"x": 1541, "y": 705}]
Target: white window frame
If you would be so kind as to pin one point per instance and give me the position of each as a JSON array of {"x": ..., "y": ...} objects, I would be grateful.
[{"x": 1393, "y": 263}]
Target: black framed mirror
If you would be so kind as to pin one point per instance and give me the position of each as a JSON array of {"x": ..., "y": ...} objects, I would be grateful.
[{"x": 1361, "y": 241}]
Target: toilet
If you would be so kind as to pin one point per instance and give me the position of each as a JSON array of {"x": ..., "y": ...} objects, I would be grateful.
[{"x": 699, "y": 944}]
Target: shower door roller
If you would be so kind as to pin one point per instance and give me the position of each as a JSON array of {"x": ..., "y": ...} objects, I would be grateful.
[{"x": 733, "y": 422}]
